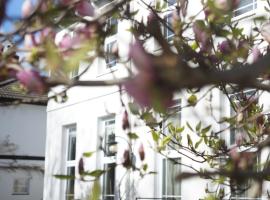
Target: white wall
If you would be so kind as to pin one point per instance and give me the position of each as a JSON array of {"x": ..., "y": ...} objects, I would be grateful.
[{"x": 26, "y": 127}]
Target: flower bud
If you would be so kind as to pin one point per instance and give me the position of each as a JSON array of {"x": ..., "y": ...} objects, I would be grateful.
[
  {"x": 81, "y": 166},
  {"x": 127, "y": 160},
  {"x": 225, "y": 47},
  {"x": 141, "y": 152},
  {"x": 125, "y": 121}
]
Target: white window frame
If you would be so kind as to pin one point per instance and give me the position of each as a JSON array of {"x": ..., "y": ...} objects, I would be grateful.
[
  {"x": 171, "y": 153},
  {"x": 69, "y": 132},
  {"x": 253, "y": 6},
  {"x": 21, "y": 186},
  {"x": 110, "y": 58},
  {"x": 165, "y": 194},
  {"x": 106, "y": 159},
  {"x": 168, "y": 20}
]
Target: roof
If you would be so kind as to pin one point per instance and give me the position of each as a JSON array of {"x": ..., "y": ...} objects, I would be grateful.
[{"x": 11, "y": 91}]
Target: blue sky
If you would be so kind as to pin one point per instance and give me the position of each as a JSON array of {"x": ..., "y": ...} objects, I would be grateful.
[{"x": 13, "y": 10}]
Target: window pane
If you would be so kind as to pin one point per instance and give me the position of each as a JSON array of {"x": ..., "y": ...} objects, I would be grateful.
[
  {"x": 168, "y": 33},
  {"x": 70, "y": 184},
  {"x": 109, "y": 129},
  {"x": 171, "y": 187},
  {"x": 110, "y": 57},
  {"x": 71, "y": 147},
  {"x": 21, "y": 186},
  {"x": 108, "y": 181}
]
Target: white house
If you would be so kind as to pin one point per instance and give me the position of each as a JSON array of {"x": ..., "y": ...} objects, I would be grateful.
[
  {"x": 76, "y": 126},
  {"x": 22, "y": 136}
]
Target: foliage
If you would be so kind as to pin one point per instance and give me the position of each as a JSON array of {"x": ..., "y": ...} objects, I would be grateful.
[{"x": 208, "y": 48}]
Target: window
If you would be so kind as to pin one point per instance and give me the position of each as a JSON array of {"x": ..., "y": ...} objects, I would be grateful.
[
  {"x": 168, "y": 33},
  {"x": 171, "y": 189},
  {"x": 70, "y": 135},
  {"x": 110, "y": 57},
  {"x": 109, "y": 136},
  {"x": 112, "y": 25},
  {"x": 21, "y": 186},
  {"x": 109, "y": 181},
  {"x": 244, "y": 190},
  {"x": 172, "y": 123},
  {"x": 108, "y": 160},
  {"x": 244, "y": 7},
  {"x": 243, "y": 102}
]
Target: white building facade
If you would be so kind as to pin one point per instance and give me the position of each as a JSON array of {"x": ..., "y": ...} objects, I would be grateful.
[
  {"x": 76, "y": 126},
  {"x": 22, "y": 136}
]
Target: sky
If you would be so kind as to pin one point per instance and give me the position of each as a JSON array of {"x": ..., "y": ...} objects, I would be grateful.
[{"x": 13, "y": 10}]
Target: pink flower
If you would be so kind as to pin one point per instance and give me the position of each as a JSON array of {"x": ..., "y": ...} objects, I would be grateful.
[
  {"x": 265, "y": 31},
  {"x": 255, "y": 55},
  {"x": 201, "y": 35},
  {"x": 85, "y": 8},
  {"x": 146, "y": 87},
  {"x": 227, "y": 5},
  {"x": 225, "y": 47},
  {"x": 32, "y": 81},
  {"x": 27, "y": 8}
]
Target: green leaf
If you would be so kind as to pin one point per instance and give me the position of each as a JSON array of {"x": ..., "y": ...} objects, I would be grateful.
[
  {"x": 96, "y": 173},
  {"x": 64, "y": 177},
  {"x": 155, "y": 136},
  {"x": 96, "y": 191},
  {"x": 198, "y": 143},
  {"x": 88, "y": 154},
  {"x": 192, "y": 100},
  {"x": 166, "y": 140},
  {"x": 145, "y": 167},
  {"x": 190, "y": 143},
  {"x": 188, "y": 125},
  {"x": 133, "y": 136},
  {"x": 180, "y": 129},
  {"x": 134, "y": 108},
  {"x": 206, "y": 129},
  {"x": 198, "y": 126}
]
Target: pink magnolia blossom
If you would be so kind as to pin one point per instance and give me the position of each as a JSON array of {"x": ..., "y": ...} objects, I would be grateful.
[
  {"x": 27, "y": 8},
  {"x": 255, "y": 55},
  {"x": 265, "y": 32},
  {"x": 32, "y": 81},
  {"x": 225, "y": 47},
  {"x": 85, "y": 8},
  {"x": 146, "y": 87},
  {"x": 201, "y": 35},
  {"x": 227, "y": 4}
]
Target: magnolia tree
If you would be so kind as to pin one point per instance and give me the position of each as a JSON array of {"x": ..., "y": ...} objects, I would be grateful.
[{"x": 211, "y": 52}]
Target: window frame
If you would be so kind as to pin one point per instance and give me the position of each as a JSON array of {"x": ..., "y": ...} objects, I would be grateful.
[
  {"x": 106, "y": 159},
  {"x": 253, "y": 4},
  {"x": 70, "y": 132},
  {"x": 165, "y": 177},
  {"x": 26, "y": 186}
]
